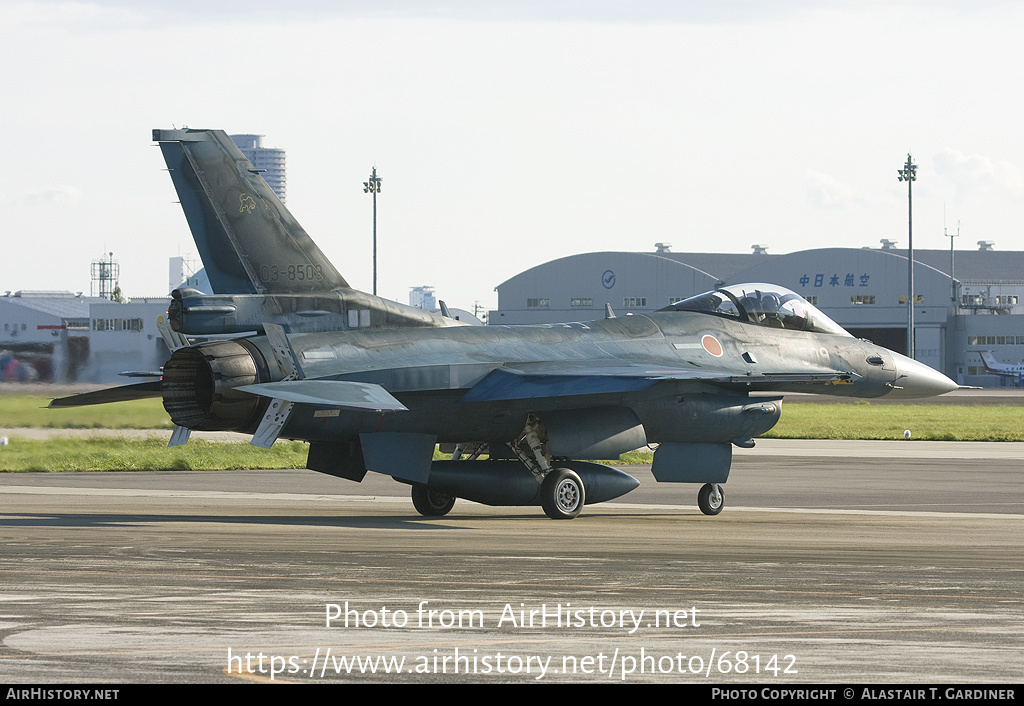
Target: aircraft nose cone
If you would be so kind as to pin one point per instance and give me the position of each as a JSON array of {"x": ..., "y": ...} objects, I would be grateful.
[{"x": 918, "y": 380}]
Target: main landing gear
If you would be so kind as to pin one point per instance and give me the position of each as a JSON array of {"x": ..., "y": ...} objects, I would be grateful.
[
  {"x": 561, "y": 491},
  {"x": 562, "y": 494},
  {"x": 431, "y": 503},
  {"x": 711, "y": 498}
]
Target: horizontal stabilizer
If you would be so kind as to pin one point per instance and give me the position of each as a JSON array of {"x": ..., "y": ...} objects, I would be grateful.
[
  {"x": 125, "y": 393},
  {"x": 329, "y": 393}
]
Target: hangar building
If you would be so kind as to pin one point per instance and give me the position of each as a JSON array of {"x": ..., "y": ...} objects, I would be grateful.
[
  {"x": 979, "y": 308},
  {"x": 54, "y": 336},
  {"x": 44, "y": 336}
]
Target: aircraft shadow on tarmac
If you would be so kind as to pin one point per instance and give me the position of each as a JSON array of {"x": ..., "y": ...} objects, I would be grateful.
[{"x": 402, "y": 522}]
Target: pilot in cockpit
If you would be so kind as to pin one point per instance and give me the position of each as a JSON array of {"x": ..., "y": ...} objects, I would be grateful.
[
  {"x": 770, "y": 304},
  {"x": 752, "y": 306}
]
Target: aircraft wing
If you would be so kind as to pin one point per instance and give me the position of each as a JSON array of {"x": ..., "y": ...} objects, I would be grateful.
[{"x": 563, "y": 379}]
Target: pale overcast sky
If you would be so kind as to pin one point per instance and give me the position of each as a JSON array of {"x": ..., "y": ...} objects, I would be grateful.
[{"x": 509, "y": 134}]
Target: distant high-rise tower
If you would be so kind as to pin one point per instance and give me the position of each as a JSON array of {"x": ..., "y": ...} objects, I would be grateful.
[
  {"x": 267, "y": 158},
  {"x": 422, "y": 298}
]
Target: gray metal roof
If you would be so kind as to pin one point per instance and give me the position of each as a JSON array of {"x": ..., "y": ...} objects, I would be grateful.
[
  {"x": 720, "y": 265},
  {"x": 976, "y": 265},
  {"x": 60, "y": 306},
  {"x": 988, "y": 265}
]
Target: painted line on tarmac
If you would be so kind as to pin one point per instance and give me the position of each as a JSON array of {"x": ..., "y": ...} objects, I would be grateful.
[
  {"x": 207, "y": 494},
  {"x": 392, "y": 500}
]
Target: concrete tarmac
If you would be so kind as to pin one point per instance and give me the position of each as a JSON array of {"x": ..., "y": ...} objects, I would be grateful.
[{"x": 838, "y": 562}]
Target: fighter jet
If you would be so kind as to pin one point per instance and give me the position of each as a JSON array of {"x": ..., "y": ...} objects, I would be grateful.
[{"x": 373, "y": 385}]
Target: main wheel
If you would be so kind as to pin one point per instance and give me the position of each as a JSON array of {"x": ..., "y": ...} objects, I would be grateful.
[
  {"x": 562, "y": 494},
  {"x": 711, "y": 498},
  {"x": 431, "y": 503}
]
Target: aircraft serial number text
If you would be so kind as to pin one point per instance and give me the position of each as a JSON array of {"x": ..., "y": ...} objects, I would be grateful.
[{"x": 300, "y": 272}]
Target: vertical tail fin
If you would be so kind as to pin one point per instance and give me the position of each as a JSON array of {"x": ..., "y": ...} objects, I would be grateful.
[{"x": 248, "y": 241}]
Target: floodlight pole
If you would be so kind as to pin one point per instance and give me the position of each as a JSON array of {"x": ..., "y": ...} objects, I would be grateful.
[
  {"x": 952, "y": 270},
  {"x": 373, "y": 187},
  {"x": 909, "y": 175}
]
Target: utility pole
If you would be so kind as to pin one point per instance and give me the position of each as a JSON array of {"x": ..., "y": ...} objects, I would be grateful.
[
  {"x": 952, "y": 271},
  {"x": 373, "y": 187},
  {"x": 909, "y": 175}
]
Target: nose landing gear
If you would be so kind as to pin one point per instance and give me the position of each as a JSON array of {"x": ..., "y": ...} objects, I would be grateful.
[{"x": 711, "y": 498}]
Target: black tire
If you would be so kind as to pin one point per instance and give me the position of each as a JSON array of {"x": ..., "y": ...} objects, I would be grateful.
[
  {"x": 707, "y": 502},
  {"x": 562, "y": 494},
  {"x": 431, "y": 503}
]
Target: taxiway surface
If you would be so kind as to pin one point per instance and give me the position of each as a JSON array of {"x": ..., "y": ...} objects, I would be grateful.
[{"x": 851, "y": 562}]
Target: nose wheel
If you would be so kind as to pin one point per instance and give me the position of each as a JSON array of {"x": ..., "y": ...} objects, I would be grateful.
[{"x": 711, "y": 498}]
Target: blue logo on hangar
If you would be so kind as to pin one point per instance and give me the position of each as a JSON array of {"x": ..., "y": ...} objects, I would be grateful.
[{"x": 608, "y": 279}]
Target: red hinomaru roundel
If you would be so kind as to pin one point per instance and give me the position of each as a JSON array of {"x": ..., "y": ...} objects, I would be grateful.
[{"x": 711, "y": 345}]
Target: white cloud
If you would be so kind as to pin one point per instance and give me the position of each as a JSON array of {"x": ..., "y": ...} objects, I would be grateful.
[
  {"x": 28, "y": 15},
  {"x": 824, "y": 191},
  {"x": 974, "y": 172},
  {"x": 67, "y": 196}
]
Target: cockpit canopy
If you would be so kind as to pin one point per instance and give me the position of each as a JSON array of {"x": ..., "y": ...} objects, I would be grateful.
[{"x": 762, "y": 304}]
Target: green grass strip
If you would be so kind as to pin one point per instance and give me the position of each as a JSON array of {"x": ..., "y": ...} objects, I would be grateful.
[
  {"x": 863, "y": 420},
  {"x": 31, "y": 411},
  {"x": 112, "y": 454}
]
